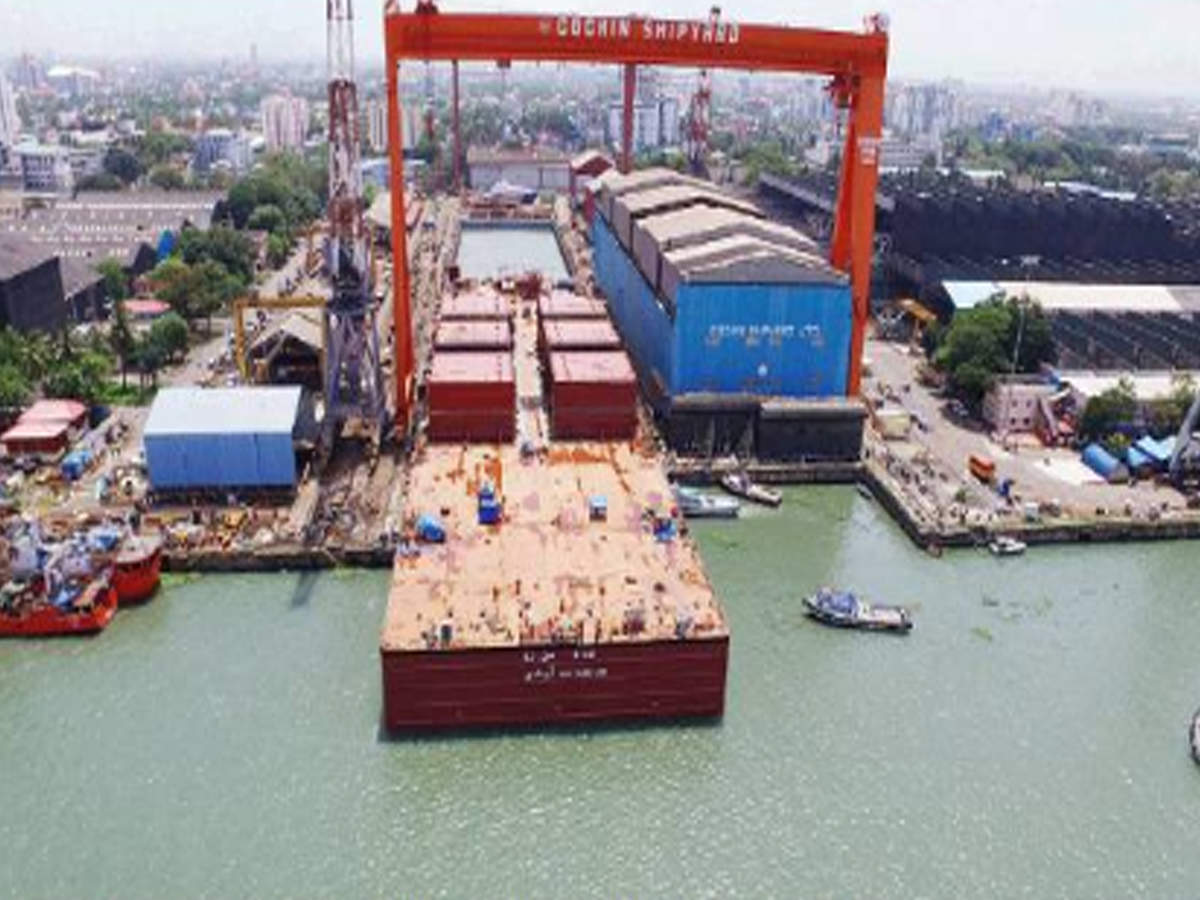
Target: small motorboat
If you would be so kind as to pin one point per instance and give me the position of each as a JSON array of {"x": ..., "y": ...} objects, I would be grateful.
[
  {"x": 740, "y": 485},
  {"x": 1194, "y": 737},
  {"x": 842, "y": 609},
  {"x": 1003, "y": 545},
  {"x": 696, "y": 504}
]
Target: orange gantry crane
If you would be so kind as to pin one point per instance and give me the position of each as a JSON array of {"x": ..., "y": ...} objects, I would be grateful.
[{"x": 856, "y": 63}]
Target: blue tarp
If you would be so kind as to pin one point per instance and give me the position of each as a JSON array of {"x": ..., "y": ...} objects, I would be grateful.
[
  {"x": 1158, "y": 450},
  {"x": 430, "y": 530},
  {"x": 1136, "y": 459},
  {"x": 1103, "y": 463}
]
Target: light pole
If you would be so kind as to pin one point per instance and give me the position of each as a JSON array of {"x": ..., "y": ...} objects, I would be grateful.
[{"x": 1027, "y": 263}]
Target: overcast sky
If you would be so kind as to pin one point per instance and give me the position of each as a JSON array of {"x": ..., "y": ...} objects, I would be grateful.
[{"x": 1127, "y": 46}]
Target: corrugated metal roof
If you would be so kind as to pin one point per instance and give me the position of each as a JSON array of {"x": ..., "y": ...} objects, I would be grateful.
[
  {"x": 751, "y": 260},
  {"x": 35, "y": 431},
  {"x": 968, "y": 294},
  {"x": 243, "y": 410},
  {"x": 683, "y": 227},
  {"x": 305, "y": 327},
  {"x": 639, "y": 203},
  {"x": 19, "y": 254},
  {"x": 54, "y": 411}
]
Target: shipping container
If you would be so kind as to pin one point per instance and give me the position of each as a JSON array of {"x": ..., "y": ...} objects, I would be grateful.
[
  {"x": 473, "y": 334},
  {"x": 44, "y": 440},
  {"x": 226, "y": 438},
  {"x": 475, "y": 427},
  {"x": 478, "y": 303}
]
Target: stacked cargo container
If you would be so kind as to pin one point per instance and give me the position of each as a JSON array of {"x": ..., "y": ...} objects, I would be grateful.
[
  {"x": 472, "y": 397},
  {"x": 593, "y": 396}
]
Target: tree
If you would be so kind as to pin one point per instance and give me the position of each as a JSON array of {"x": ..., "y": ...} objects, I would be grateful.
[
  {"x": 121, "y": 339},
  {"x": 172, "y": 280},
  {"x": 267, "y": 217},
  {"x": 278, "y": 250},
  {"x": 167, "y": 177},
  {"x": 980, "y": 343},
  {"x": 116, "y": 285},
  {"x": 122, "y": 164},
  {"x": 170, "y": 333},
  {"x": 1107, "y": 411},
  {"x": 14, "y": 387},
  {"x": 233, "y": 251},
  {"x": 149, "y": 357}
]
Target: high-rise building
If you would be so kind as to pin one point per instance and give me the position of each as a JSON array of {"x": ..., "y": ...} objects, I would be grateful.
[
  {"x": 10, "y": 124},
  {"x": 376, "y": 114},
  {"x": 221, "y": 148},
  {"x": 284, "y": 122}
]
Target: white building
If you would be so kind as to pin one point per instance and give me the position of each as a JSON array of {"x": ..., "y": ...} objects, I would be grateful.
[
  {"x": 221, "y": 148},
  {"x": 376, "y": 113},
  {"x": 655, "y": 124},
  {"x": 284, "y": 122},
  {"x": 45, "y": 168},
  {"x": 529, "y": 169},
  {"x": 10, "y": 123}
]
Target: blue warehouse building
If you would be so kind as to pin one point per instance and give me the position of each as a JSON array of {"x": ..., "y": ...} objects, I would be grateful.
[
  {"x": 738, "y": 327},
  {"x": 199, "y": 439}
]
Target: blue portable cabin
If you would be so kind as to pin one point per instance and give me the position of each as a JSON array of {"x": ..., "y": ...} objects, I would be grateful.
[{"x": 222, "y": 438}]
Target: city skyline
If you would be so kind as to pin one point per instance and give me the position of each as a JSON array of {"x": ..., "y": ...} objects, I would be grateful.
[{"x": 1118, "y": 49}]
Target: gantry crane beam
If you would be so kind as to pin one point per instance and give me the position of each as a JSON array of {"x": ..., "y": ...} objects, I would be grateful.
[{"x": 857, "y": 63}]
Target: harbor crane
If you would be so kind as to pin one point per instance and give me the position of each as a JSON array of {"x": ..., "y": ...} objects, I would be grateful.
[
  {"x": 855, "y": 63},
  {"x": 354, "y": 388}
]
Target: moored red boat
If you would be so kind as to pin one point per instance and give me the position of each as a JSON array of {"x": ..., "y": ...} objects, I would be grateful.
[
  {"x": 26, "y": 610},
  {"x": 137, "y": 570}
]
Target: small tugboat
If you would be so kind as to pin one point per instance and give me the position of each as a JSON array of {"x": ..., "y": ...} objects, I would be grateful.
[
  {"x": 1003, "y": 545},
  {"x": 695, "y": 504},
  {"x": 137, "y": 569},
  {"x": 842, "y": 609},
  {"x": 1194, "y": 737},
  {"x": 740, "y": 485}
]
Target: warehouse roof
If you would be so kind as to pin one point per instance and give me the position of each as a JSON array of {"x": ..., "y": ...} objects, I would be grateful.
[
  {"x": 673, "y": 196},
  {"x": 1077, "y": 297},
  {"x": 19, "y": 254},
  {"x": 750, "y": 260},
  {"x": 244, "y": 410},
  {"x": 100, "y": 225},
  {"x": 683, "y": 227}
]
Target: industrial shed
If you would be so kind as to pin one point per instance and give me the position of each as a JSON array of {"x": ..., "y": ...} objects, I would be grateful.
[
  {"x": 729, "y": 320},
  {"x": 223, "y": 438}
]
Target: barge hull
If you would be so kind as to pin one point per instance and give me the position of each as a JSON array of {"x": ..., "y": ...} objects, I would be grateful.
[{"x": 547, "y": 685}]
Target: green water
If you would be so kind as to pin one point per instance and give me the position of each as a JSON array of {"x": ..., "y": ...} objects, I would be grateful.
[
  {"x": 505, "y": 250},
  {"x": 224, "y": 742}
]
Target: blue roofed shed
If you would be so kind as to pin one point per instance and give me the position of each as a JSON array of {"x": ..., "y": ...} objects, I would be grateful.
[{"x": 202, "y": 438}]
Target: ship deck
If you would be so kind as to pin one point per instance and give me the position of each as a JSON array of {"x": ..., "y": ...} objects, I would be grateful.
[{"x": 548, "y": 574}]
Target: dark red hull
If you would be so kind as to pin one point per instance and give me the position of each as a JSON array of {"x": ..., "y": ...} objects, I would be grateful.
[
  {"x": 136, "y": 576},
  {"x": 45, "y": 620},
  {"x": 503, "y": 687}
]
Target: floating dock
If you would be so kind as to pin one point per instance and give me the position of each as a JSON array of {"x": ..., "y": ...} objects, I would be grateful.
[{"x": 584, "y": 603}]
